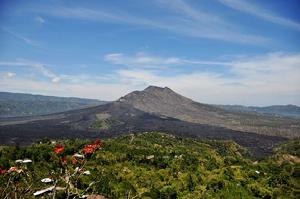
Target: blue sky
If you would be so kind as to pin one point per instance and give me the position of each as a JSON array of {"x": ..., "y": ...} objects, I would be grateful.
[{"x": 213, "y": 51}]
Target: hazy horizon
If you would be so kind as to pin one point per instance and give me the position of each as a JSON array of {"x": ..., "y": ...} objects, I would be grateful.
[
  {"x": 216, "y": 52},
  {"x": 66, "y": 96}
]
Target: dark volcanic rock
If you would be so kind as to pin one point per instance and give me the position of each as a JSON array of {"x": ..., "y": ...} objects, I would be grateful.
[
  {"x": 168, "y": 103},
  {"x": 76, "y": 124}
]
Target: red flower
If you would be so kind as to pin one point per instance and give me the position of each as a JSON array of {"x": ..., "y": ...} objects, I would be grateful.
[
  {"x": 88, "y": 149},
  {"x": 92, "y": 147},
  {"x": 59, "y": 149},
  {"x": 98, "y": 142},
  {"x": 2, "y": 172},
  {"x": 12, "y": 169},
  {"x": 74, "y": 160},
  {"x": 64, "y": 160}
]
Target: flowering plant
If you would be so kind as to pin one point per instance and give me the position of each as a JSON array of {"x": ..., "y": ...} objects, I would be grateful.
[
  {"x": 59, "y": 149},
  {"x": 89, "y": 149}
]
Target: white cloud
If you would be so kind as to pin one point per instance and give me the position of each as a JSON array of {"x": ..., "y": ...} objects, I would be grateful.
[
  {"x": 40, "y": 20},
  {"x": 210, "y": 20},
  {"x": 39, "y": 67},
  {"x": 141, "y": 59},
  {"x": 272, "y": 78},
  {"x": 55, "y": 79},
  {"x": 83, "y": 89},
  {"x": 191, "y": 22},
  {"x": 8, "y": 75},
  {"x": 259, "y": 80},
  {"x": 254, "y": 10},
  {"x": 278, "y": 62},
  {"x": 21, "y": 37},
  {"x": 41, "y": 70}
]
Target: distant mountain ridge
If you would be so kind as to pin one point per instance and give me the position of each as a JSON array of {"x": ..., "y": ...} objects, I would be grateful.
[
  {"x": 20, "y": 104},
  {"x": 275, "y": 110}
]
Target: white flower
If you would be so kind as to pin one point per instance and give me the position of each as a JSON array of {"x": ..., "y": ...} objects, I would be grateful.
[
  {"x": 87, "y": 173},
  {"x": 78, "y": 155},
  {"x": 27, "y": 161},
  {"x": 150, "y": 157},
  {"x": 257, "y": 172},
  {"x": 23, "y": 161},
  {"x": 76, "y": 169},
  {"x": 43, "y": 191},
  {"x": 46, "y": 180}
]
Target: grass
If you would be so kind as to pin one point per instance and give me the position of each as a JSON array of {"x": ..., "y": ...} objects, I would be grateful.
[{"x": 104, "y": 124}]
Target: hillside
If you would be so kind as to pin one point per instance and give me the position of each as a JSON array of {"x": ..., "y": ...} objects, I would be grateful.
[
  {"x": 154, "y": 109},
  {"x": 166, "y": 102},
  {"x": 117, "y": 118},
  {"x": 275, "y": 110},
  {"x": 19, "y": 104},
  {"x": 147, "y": 165}
]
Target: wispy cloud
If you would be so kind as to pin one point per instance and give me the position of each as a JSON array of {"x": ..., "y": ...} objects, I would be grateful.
[
  {"x": 21, "y": 37},
  {"x": 189, "y": 22},
  {"x": 272, "y": 78},
  {"x": 252, "y": 9},
  {"x": 201, "y": 23},
  {"x": 143, "y": 60},
  {"x": 41, "y": 68},
  {"x": 8, "y": 75},
  {"x": 82, "y": 89},
  {"x": 210, "y": 20},
  {"x": 40, "y": 20}
]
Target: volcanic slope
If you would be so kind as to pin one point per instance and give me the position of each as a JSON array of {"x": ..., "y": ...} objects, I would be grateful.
[
  {"x": 125, "y": 117},
  {"x": 166, "y": 102}
]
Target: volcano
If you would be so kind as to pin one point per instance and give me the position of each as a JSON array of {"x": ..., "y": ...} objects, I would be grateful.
[{"x": 152, "y": 109}]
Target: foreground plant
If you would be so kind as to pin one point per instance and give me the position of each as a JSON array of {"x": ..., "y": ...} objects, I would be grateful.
[
  {"x": 63, "y": 179},
  {"x": 17, "y": 175},
  {"x": 69, "y": 174}
]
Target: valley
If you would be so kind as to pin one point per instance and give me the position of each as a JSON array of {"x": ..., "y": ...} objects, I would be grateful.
[{"x": 154, "y": 109}]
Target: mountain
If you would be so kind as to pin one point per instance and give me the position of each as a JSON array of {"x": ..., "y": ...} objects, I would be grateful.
[
  {"x": 19, "y": 104},
  {"x": 166, "y": 102},
  {"x": 153, "y": 109},
  {"x": 275, "y": 110}
]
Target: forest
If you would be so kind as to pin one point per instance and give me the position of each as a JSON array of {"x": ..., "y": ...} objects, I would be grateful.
[{"x": 147, "y": 165}]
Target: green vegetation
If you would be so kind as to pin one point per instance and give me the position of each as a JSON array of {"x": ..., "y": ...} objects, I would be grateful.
[
  {"x": 277, "y": 110},
  {"x": 19, "y": 104},
  {"x": 104, "y": 124},
  {"x": 292, "y": 148},
  {"x": 151, "y": 165}
]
